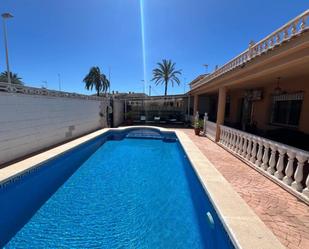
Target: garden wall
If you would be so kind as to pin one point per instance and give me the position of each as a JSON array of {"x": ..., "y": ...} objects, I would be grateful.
[{"x": 32, "y": 122}]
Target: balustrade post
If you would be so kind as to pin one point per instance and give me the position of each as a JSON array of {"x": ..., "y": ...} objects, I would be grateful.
[
  {"x": 303, "y": 23},
  {"x": 234, "y": 141},
  {"x": 265, "y": 156},
  {"x": 278, "y": 39},
  {"x": 239, "y": 147},
  {"x": 231, "y": 139},
  {"x": 286, "y": 34},
  {"x": 272, "y": 42},
  {"x": 299, "y": 174},
  {"x": 253, "y": 152},
  {"x": 260, "y": 153},
  {"x": 266, "y": 45},
  {"x": 293, "y": 29},
  {"x": 272, "y": 161},
  {"x": 306, "y": 190},
  {"x": 280, "y": 163},
  {"x": 227, "y": 138},
  {"x": 244, "y": 147},
  {"x": 205, "y": 122},
  {"x": 222, "y": 135},
  {"x": 289, "y": 168},
  {"x": 249, "y": 148}
]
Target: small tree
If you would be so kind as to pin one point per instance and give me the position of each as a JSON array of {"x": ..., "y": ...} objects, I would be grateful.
[
  {"x": 97, "y": 80},
  {"x": 165, "y": 73},
  {"x": 14, "y": 78}
]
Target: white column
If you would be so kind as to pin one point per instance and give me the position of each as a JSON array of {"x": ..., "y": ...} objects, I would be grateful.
[{"x": 220, "y": 111}]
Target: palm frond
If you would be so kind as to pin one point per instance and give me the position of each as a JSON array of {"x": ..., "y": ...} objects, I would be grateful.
[
  {"x": 95, "y": 79},
  {"x": 165, "y": 73}
]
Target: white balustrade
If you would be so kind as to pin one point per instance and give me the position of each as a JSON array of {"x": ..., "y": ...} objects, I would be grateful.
[
  {"x": 281, "y": 35},
  {"x": 210, "y": 129},
  {"x": 21, "y": 89},
  {"x": 285, "y": 164}
]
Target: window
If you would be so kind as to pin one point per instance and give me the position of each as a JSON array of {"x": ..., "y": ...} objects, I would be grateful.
[{"x": 287, "y": 109}]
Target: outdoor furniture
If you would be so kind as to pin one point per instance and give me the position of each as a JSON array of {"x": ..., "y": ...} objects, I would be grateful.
[{"x": 156, "y": 118}]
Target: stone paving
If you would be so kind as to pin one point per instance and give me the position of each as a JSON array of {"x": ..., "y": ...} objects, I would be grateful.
[{"x": 284, "y": 214}]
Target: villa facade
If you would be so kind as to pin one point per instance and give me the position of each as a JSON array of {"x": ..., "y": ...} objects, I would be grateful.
[{"x": 257, "y": 104}]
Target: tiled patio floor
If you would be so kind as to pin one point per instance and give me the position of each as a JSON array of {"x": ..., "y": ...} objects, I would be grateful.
[{"x": 287, "y": 217}]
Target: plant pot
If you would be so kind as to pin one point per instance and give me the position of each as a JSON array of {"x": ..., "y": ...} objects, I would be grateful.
[{"x": 197, "y": 131}]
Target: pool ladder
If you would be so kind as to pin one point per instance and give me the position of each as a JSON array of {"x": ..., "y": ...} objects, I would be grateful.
[{"x": 210, "y": 220}]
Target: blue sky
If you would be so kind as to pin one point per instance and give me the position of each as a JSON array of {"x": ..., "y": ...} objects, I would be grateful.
[{"x": 69, "y": 36}]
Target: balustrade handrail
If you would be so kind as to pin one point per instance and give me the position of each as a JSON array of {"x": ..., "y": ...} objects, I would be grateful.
[
  {"x": 283, "y": 27},
  {"x": 258, "y": 48},
  {"x": 212, "y": 123},
  {"x": 278, "y": 144},
  {"x": 17, "y": 88}
]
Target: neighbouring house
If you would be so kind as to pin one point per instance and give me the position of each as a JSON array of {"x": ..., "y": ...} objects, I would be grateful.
[
  {"x": 258, "y": 103},
  {"x": 171, "y": 109}
]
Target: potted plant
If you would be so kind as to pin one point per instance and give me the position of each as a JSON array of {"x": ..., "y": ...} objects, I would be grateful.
[{"x": 198, "y": 126}]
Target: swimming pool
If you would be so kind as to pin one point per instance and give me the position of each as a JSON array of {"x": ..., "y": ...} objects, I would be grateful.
[{"x": 129, "y": 189}]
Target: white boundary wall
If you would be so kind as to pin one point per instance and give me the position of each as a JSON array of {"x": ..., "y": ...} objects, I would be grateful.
[{"x": 29, "y": 123}]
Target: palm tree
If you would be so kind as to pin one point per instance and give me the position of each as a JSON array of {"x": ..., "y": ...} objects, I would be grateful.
[
  {"x": 165, "y": 73},
  {"x": 14, "y": 78},
  {"x": 96, "y": 79}
]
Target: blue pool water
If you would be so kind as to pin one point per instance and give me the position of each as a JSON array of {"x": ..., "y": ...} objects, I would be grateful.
[{"x": 121, "y": 192}]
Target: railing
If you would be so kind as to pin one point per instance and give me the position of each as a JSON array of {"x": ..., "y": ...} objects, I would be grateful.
[
  {"x": 286, "y": 165},
  {"x": 281, "y": 35},
  {"x": 209, "y": 128},
  {"x": 17, "y": 88}
]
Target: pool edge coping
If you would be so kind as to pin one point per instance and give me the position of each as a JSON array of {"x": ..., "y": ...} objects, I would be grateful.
[{"x": 245, "y": 229}]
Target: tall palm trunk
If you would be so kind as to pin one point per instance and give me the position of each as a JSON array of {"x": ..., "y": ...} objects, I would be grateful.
[
  {"x": 166, "y": 83},
  {"x": 98, "y": 91}
]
